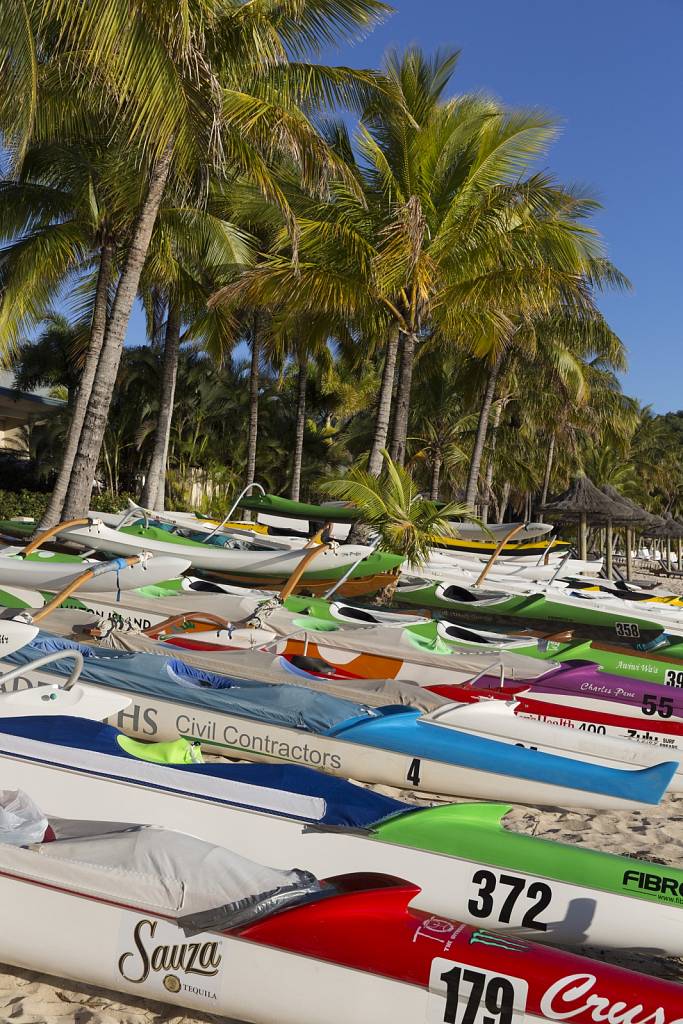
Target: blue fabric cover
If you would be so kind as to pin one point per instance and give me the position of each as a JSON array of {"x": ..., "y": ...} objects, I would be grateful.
[
  {"x": 346, "y": 804},
  {"x": 170, "y": 678}
]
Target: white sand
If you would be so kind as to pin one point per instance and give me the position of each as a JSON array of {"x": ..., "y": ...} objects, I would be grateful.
[{"x": 655, "y": 835}]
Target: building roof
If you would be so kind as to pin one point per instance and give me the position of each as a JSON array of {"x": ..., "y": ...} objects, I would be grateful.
[{"x": 28, "y": 402}]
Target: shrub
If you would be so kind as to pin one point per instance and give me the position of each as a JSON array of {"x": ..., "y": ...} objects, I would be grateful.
[{"x": 34, "y": 503}]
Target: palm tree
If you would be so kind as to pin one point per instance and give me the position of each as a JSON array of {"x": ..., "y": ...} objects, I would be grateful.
[
  {"x": 191, "y": 250},
  {"x": 218, "y": 89},
  {"x": 557, "y": 341},
  {"x": 62, "y": 225},
  {"x": 392, "y": 505},
  {"x": 447, "y": 240}
]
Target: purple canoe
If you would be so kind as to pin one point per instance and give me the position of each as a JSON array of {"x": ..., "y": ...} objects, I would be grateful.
[{"x": 583, "y": 683}]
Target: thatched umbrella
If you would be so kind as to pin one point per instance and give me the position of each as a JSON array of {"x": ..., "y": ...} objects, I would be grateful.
[
  {"x": 644, "y": 518},
  {"x": 668, "y": 530},
  {"x": 584, "y": 503}
]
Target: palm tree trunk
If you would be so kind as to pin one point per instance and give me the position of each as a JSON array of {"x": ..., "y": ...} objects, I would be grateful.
[
  {"x": 482, "y": 427},
  {"x": 379, "y": 441},
  {"x": 548, "y": 470},
  {"x": 436, "y": 477},
  {"x": 253, "y": 401},
  {"x": 488, "y": 482},
  {"x": 405, "y": 383},
  {"x": 153, "y": 493},
  {"x": 95, "y": 421},
  {"x": 53, "y": 512},
  {"x": 300, "y": 428},
  {"x": 504, "y": 499}
]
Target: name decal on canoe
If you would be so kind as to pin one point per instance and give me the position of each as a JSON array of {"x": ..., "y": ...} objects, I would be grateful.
[
  {"x": 157, "y": 956},
  {"x": 664, "y": 886}
]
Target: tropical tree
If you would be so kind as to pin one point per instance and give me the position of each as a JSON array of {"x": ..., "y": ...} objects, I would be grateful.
[
  {"x": 554, "y": 350},
  {"x": 192, "y": 248},
  {"x": 216, "y": 89},
  {"x": 391, "y": 504},
  {"x": 448, "y": 239}
]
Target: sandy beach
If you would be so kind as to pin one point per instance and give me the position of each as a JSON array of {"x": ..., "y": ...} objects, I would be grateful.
[{"x": 655, "y": 835}]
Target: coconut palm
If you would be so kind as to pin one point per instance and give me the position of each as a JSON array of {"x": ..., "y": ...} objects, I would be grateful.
[
  {"x": 448, "y": 239},
  {"x": 192, "y": 249},
  {"x": 553, "y": 350},
  {"x": 216, "y": 88},
  {"x": 391, "y": 504},
  {"x": 63, "y": 226}
]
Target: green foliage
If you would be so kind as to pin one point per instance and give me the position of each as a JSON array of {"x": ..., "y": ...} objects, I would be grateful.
[
  {"x": 22, "y": 503},
  {"x": 32, "y": 504},
  {"x": 406, "y": 522},
  {"x": 108, "y": 502}
]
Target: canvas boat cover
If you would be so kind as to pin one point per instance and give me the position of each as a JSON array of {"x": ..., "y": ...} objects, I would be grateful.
[
  {"x": 82, "y": 745},
  {"x": 155, "y": 868},
  {"x": 294, "y": 707},
  {"x": 248, "y": 664}
]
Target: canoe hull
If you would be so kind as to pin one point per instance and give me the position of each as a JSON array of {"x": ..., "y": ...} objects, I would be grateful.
[
  {"x": 152, "y": 718},
  {"x": 450, "y": 885},
  {"x": 324, "y": 963}
]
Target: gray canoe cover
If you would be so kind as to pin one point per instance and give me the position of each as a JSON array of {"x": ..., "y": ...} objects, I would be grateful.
[
  {"x": 247, "y": 664},
  {"x": 139, "y": 862},
  {"x": 171, "y": 679}
]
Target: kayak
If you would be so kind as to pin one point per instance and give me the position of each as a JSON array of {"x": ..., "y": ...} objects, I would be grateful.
[
  {"x": 254, "y": 943},
  {"x": 587, "y": 610},
  {"x": 47, "y": 570},
  {"x": 241, "y": 565},
  {"x": 460, "y": 855},
  {"x": 390, "y": 745}
]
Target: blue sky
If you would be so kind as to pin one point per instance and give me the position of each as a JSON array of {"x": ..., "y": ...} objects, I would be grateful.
[{"x": 610, "y": 70}]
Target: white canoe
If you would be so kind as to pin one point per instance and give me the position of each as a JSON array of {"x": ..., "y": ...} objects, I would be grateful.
[
  {"x": 234, "y": 735},
  {"x": 255, "y": 820},
  {"x": 15, "y": 635},
  {"x": 48, "y": 573},
  {"x": 111, "y": 909},
  {"x": 80, "y": 699},
  {"x": 103, "y": 538}
]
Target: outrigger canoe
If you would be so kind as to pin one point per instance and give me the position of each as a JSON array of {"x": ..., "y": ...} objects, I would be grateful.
[
  {"x": 506, "y": 722},
  {"x": 462, "y": 857},
  {"x": 345, "y": 649},
  {"x": 595, "y": 613},
  {"x": 659, "y": 662},
  {"x": 253, "y": 943},
  {"x": 650, "y": 715},
  {"x": 48, "y": 570},
  {"x": 242, "y": 565},
  {"x": 391, "y": 745}
]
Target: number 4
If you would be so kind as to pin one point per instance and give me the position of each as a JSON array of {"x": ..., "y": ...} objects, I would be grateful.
[{"x": 414, "y": 771}]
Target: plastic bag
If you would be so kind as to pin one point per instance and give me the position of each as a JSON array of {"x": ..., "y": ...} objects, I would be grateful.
[{"x": 21, "y": 820}]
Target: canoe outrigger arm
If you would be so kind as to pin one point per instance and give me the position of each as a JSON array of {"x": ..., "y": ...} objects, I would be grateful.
[
  {"x": 499, "y": 547},
  {"x": 97, "y": 569},
  {"x": 52, "y": 532},
  {"x": 245, "y": 490},
  {"x": 48, "y": 659},
  {"x": 342, "y": 579}
]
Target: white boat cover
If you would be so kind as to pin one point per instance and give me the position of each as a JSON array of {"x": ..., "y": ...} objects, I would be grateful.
[{"x": 152, "y": 867}]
